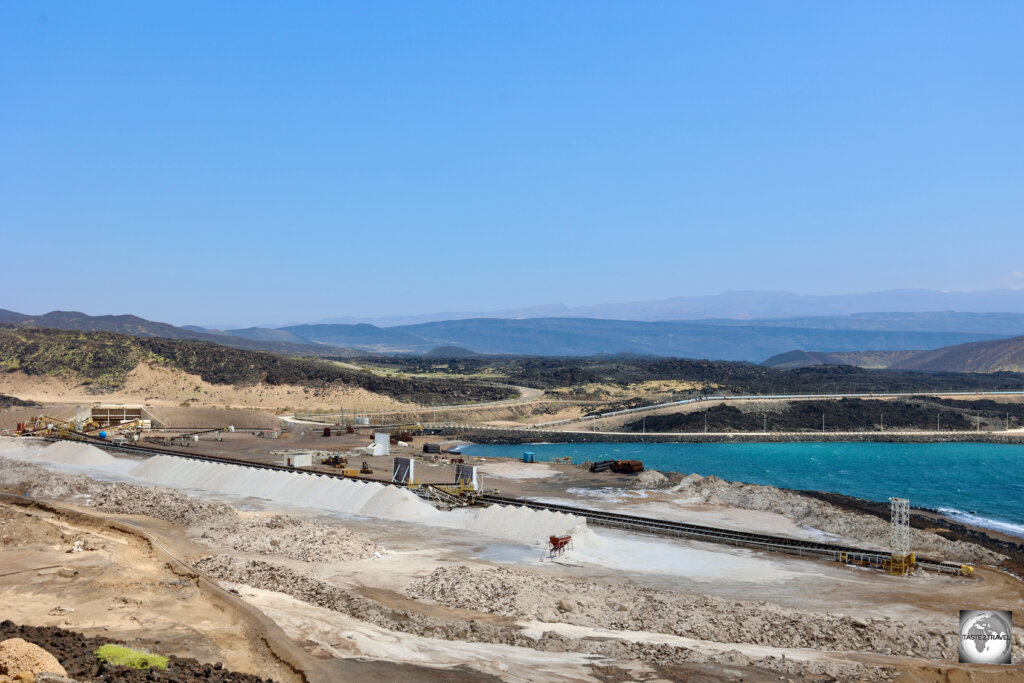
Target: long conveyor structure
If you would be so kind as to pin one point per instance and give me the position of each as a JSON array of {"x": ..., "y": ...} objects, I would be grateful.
[{"x": 662, "y": 527}]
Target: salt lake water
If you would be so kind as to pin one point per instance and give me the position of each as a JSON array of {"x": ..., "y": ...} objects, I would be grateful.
[{"x": 978, "y": 483}]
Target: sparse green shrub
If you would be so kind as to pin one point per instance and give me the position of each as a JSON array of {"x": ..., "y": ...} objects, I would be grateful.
[{"x": 118, "y": 655}]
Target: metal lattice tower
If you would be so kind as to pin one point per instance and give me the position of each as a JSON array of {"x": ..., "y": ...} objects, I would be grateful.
[{"x": 901, "y": 560}]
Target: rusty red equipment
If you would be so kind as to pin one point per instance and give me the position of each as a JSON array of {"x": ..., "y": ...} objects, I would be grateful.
[{"x": 559, "y": 544}]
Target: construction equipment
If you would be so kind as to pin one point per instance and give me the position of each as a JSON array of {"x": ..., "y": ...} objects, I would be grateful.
[
  {"x": 187, "y": 439},
  {"x": 366, "y": 469},
  {"x": 457, "y": 495},
  {"x": 559, "y": 544},
  {"x": 96, "y": 430},
  {"x": 350, "y": 472},
  {"x": 44, "y": 425},
  {"x": 335, "y": 461}
]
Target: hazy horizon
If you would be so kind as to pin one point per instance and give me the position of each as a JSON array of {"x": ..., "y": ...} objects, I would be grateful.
[{"x": 728, "y": 305}]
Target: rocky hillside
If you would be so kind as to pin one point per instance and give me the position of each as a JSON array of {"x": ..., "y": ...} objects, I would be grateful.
[
  {"x": 105, "y": 359},
  {"x": 713, "y": 376},
  {"x": 999, "y": 355},
  {"x": 140, "y": 327},
  {"x": 848, "y": 414},
  {"x": 14, "y": 402}
]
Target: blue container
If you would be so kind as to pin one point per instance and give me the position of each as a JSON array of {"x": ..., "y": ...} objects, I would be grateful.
[
  {"x": 103, "y": 435},
  {"x": 528, "y": 456}
]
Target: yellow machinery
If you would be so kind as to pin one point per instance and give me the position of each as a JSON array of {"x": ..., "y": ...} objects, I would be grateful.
[
  {"x": 92, "y": 429},
  {"x": 900, "y": 565},
  {"x": 44, "y": 425}
]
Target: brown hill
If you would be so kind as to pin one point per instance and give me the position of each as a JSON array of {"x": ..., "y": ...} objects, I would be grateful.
[
  {"x": 872, "y": 360},
  {"x": 1000, "y": 355}
]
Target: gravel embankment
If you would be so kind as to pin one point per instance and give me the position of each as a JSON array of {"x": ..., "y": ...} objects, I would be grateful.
[
  {"x": 519, "y": 595},
  {"x": 218, "y": 525},
  {"x": 162, "y": 503},
  {"x": 308, "y": 588},
  {"x": 296, "y": 539},
  {"x": 38, "y": 482}
]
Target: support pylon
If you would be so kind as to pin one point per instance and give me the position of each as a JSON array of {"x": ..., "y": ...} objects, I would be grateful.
[{"x": 901, "y": 560}]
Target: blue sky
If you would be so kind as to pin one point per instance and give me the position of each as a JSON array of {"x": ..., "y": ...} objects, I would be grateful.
[{"x": 253, "y": 161}]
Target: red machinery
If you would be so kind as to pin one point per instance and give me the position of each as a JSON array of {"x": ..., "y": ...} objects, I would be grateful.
[{"x": 559, "y": 544}]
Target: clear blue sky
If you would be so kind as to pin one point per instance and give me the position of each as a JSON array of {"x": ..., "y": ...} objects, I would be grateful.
[{"x": 251, "y": 162}]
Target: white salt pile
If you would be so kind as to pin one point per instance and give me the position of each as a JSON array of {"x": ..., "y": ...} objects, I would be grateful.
[
  {"x": 289, "y": 488},
  {"x": 519, "y": 525},
  {"x": 523, "y": 525},
  {"x": 15, "y": 445},
  {"x": 72, "y": 453}
]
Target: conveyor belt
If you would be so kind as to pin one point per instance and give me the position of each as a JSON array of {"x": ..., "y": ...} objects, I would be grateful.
[{"x": 784, "y": 544}]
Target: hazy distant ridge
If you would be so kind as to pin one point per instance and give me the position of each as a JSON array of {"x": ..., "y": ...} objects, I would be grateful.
[{"x": 737, "y": 305}]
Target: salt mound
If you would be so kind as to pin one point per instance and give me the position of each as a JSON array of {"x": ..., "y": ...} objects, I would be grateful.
[
  {"x": 525, "y": 525},
  {"x": 81, "y": 454},
  {"x": 18, "y": 445},
  {"x": 299, "y": 489}
]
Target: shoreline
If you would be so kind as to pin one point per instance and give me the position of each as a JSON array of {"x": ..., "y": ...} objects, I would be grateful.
[
  {"x": 498, "y": 436},
  {"x": 920, "y": 517}
]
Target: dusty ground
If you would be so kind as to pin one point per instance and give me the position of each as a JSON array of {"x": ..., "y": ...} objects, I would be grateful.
[
  {"x": 441, "y": 603},
  {"x": 162, "y": 386},
  {"x": 115, "y": 586}
]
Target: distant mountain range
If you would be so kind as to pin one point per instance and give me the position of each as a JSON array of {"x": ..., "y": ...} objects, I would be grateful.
[
  {"x": 1000, "y": 355},
  {"x": 865, "y": 339},
  {"x": 737, "y": 305},
  {"x": 718, "y": 340}
]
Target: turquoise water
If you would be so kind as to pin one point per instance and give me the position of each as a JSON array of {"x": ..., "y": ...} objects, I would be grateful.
[{"x": 978, "y": 483}]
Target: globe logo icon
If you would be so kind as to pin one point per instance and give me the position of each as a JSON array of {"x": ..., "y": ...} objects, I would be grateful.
[{"x": 985, "y": 637}]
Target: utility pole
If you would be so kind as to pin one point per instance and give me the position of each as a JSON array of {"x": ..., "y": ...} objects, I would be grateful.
[
  {"x": 938, "y": 423},
  {"x": 705, "y": 422},
  {"x": 881, "y": 422},
  {"x": 823, "y": 423},
  {"x": 766, "y": 423},
  {"x": 977, "y": 420}
]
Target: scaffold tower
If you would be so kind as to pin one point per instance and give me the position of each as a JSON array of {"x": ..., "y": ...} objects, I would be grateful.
[{"x": 901, "y": 560}]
